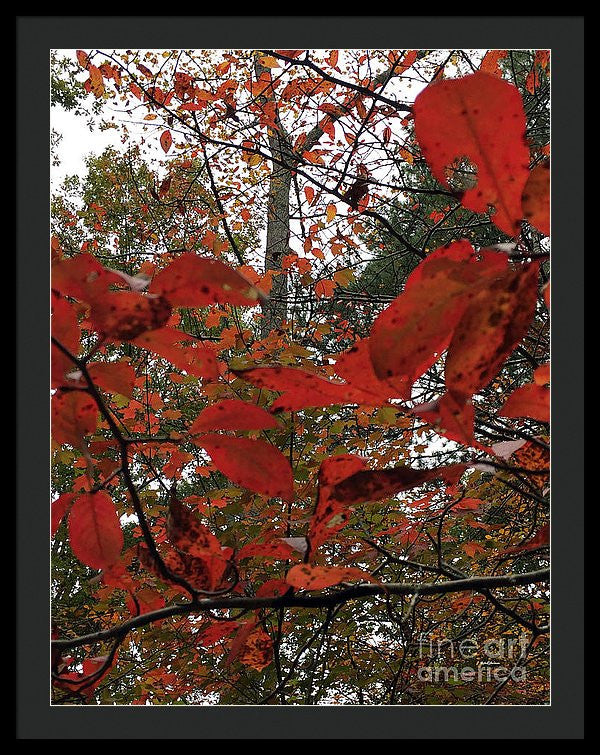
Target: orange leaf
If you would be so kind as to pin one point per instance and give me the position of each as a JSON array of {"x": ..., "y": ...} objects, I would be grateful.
[
  {"x": 74, "y": 415},
  {"x": 308, "y": 577},
  {"x": 528, "y": 401},
  {"x": 166, "y": 140},
  {"x": 114, "y": 377}
]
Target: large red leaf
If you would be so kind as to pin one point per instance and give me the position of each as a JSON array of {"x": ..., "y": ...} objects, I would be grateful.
[
  {"x": 82, "y": 277},
  {"x": 169, "y": 343},
  {"x": 95, "y": 531},
  {"x": 479, "y": 117},
  {"x": 125, "y": 314},
  {"x": 194, "y": 281},
  {"x": 497, "y": 318},
  {"x": 331, "y": 515},
  {"x": 58, "y": 510},
  {"x": 188, "y": 534},
  {"x": 411, "y": 334},
  {"x": 74, "y": 415},
  {"x": 66, "y": 330},
  {"x": 254, "y": 464},
  {"x": 302, "y": 389},
  {"x": 114, "y": 377},
  {"x": 528, "y": 401},
  {"x": 232, "y": 414},
  {"x": 376, "y": 484}
]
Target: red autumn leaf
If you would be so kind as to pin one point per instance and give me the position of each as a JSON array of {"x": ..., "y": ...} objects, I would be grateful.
[
  {"x": 114, "y": 377},
  {"x": 188, "y": 534},
  {"x": 74, "y": 415},
  {"x": 542, "y": 374},
  {"x": 251, "y": 646},
  {"x": 275, "y": 549},
  {"x": 495, "y": 321},
  {"x": 67, "y": 332},
  {"x": 166, "y": 140},
  {"x": 126, "y": 314},
  {"x": 206, "y": 573},
  {"x": 273, "y": 588},
  {"x": 301, "y": 389},
  {"x": 253, "y": 464},
  {"x": 58, "y": 510},
  {"x": 411, "y": 334},
  {"x": 528, "y": 401},
  {"x": 95, "y": 531},
  {"x": 452, "y": 418},
  {"x": 144, "y": 601},
  {"x": 169, "y": 343},
  {"x": 377, "y": 484},
  {"x": 331, "y": 515},
  {"x": 194, "y": 281},
  {"x": 536, "y": 198},
  {"x": 95, "y": 81},
  {"x": 307, "y": 577},
  {"x": 232, "y": 414},
  {"x": 479, "y": 117},
  {"x": 489, "y": 64},
  {"x": 82, "y": 277}
]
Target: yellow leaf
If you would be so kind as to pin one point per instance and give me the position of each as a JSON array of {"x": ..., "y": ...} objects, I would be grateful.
[{"x": 331, "y": 212}]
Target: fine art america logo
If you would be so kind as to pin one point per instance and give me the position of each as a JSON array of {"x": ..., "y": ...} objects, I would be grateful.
[{"x": 493, "y": 659}]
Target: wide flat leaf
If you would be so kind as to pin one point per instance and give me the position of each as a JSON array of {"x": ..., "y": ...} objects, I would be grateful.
[
  {"x": 307, "y": 577},
  {"x": 188, "y": 534},
  {"x": 125, "y": 314},
  {"x": 194, "y": 281},
  {"x": 171, "y": 344},
  {"x": 411, "y": 334},
  {"x": 95, "y": 531},
  {"x": 114, "y": 377},
  {"x": 528, "y": 401},
  {"x": 253, "y": 464},
  {"x": 497, "y": 318},
  {"x": 479, "y": 117},
  {"x": 232, "y": 414}
]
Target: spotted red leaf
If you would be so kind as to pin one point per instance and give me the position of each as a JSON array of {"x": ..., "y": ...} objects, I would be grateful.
[
  {"x": 188, "y": 534},
  {"x": 496, "y": 319},
  {"x": 331, "y": 515},
  {"x": 95, "y": 531},
  {"x": 194, "y": 281},
  {"x": 307, "y": 577},
  {"x": 479, "y": 117},
  {"x": 376, "y": 484},
  {"x": 126, "y": 314},
  {"x": 253, "y": 464},
  {"x": 74, "y": 415},
  {"x": 166, "y": 140},
  {"x": 536, "y": 198}
]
